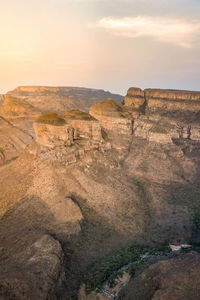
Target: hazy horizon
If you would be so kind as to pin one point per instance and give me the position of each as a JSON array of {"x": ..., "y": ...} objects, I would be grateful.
[{"x": 100, "y": 44}]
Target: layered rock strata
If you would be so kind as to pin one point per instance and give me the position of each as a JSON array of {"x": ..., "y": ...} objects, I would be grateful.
[
  {"x": 85, "y": 126},
  {"x": 167, "y": 115},
  {"x": 167, "y": 100},
  {"x": 112, "y": 116}
]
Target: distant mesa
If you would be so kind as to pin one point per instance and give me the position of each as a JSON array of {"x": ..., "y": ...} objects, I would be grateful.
[{"x": 60, "y": 99}]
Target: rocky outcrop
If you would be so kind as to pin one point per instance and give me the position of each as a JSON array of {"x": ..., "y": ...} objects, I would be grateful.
[
  {"x": 52, "y": 131},
  {"x": 112, "y": 116},
  {"x": 158, "y": 100},
  {"x": 135, "y": 98},
  {"x": 85, "y": 126}
]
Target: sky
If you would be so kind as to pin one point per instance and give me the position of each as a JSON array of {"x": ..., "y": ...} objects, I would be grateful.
[{"x": 107, "y": 44}]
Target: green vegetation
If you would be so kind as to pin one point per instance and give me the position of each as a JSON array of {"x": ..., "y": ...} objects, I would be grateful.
[
  {"x": 51, "y": 119},
  {"x": 102, "y": 269},
  {"x": 132, "y": 269},
  {"x": 113, "y": 277}
]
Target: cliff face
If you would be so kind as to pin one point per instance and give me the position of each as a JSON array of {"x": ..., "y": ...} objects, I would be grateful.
[
  {"x": 167, "y": 115},
  {"x": 158, "y": 100},
  {"x": 112, "y": 116}
]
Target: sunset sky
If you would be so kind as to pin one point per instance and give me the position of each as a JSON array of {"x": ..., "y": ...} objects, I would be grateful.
[{"x": 109, "y": 44}]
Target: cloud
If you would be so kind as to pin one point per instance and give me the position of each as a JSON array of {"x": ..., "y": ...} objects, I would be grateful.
[{"x": 168, "y": 30}]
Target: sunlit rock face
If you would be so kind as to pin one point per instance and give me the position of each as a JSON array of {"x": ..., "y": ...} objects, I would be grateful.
[
  {"x": 135, "y": 98},
  {"x": 52, "y": 131},
  {"x": 85, "y": 126},
  {"x": 155, "y": 100},
  {"x": 165, "y": 115},
  {"x": 112, "y": 116}
]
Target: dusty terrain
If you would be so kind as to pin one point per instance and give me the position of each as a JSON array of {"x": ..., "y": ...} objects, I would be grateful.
[{"x": 89, "y": 184}]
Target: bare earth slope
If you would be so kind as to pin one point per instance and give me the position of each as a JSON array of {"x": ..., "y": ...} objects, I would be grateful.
[
  {"x": 90, "y": 184},
  {"x": 13, "y": 141}
]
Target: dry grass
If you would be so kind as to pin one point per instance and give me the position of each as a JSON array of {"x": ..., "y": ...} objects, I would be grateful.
[
  {"x": 51, "y": 119},
  {"x": 77, "y": 115},
  {"x": 108, "y": 107}
]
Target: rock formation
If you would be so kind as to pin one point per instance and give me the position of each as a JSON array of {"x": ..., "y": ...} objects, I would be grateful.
[
  {"x": 89, "y": 183},
  {"x": 158, "y": 100},
  {"x": 51, "y": 131},
  {"x": 112, "y": 116},
  {"x": 85, "y": 126}
]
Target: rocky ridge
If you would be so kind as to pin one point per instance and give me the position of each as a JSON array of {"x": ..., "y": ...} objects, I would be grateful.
[{"x": 59, "y": 99}]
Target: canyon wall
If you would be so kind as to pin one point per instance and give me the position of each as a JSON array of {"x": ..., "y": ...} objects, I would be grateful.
[{"x": 160, "y": 99}]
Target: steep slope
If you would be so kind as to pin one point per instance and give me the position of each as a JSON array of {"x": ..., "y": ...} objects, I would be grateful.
[
  {"x": 1, "y": 99},
  {"x": 13, "y": 141}
]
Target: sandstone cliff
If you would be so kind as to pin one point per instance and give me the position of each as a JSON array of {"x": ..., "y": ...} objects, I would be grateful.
[{"x": 158, "y": 100}]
